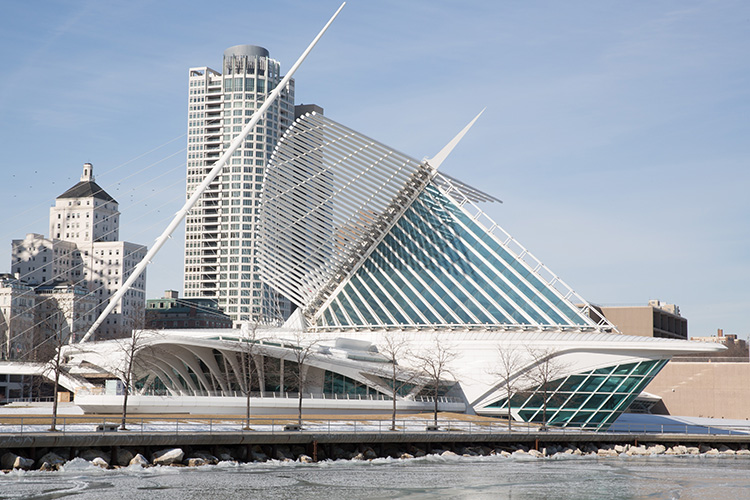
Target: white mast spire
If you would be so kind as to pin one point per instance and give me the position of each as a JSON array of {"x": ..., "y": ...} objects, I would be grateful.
[
  {"x": 436, "y": 160},
  {"x": 220, "y": 163}
]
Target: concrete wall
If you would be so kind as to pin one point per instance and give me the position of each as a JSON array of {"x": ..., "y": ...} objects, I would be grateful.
[
  {"x": 631, "y": 320},
  {"x": 647, "y": 321},
  {"x": 718, "y": 390}
]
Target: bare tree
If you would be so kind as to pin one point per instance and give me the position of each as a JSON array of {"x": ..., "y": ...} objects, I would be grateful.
[
  {"x": 57, "y": 319},
  {"x": 129, "y": 347},
  {"x": 545, "y": 369},
  {"x": 56, "y": 334},
  {"x": 56, "y": 366},
  {"x": 435, "y": 366},
  {"x": 395, "y": 347},
  {"x": 509, "y": 363},
  {"x": 305, "y": 345},
  {"x": 250, "y": 348}
]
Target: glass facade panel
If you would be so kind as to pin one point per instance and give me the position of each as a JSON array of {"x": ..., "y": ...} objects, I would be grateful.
[
  {"x": 581, "y": 417},
  {"x": 561, "y": 417},
  {"x": 328, "y": 317},
  {"x": 440, "y": 267},
  {"x": 624, "y": 369},
  {"x": 363, "y": 285},
  {"x": 595, "y": 401},
  {"x": 527, "y": 415},
  {"x": 578, "y": 400},
  {"x": 340, "y": 316},
  {"x": 586, "y": 400},
  {"x": 597, "y": 418},
  {"x": 337, "y": 384},
  {"x": 642, "y": 369},
  {"x": 592, "y": 383},
  {"x": 350, "y": 296},
  {"x": 572, "y": 383},
  {"x": 611, "y": 384},
  {"x": 613, "y": 402},
  {"x": 628, "y": 385}
]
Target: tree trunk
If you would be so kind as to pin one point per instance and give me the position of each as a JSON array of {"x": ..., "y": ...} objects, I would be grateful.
[
  {"x": 436, "y": 401},
  {"x": 125, "y": 407},
  {"x": 299, "y": 407},
  {"x": 126, "y": 383},
  {"x": 248, "y": 389},
  {"x": 393, "y": 415},
  {"x": 53, "y": 427},
  {"x": 247, "y": 411},
  {"x": 510, "y": 415}
]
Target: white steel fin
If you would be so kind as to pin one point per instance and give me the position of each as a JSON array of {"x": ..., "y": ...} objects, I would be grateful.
[
  {"x": 436, "y": 160},
  {"x": 220, "y": 163}
]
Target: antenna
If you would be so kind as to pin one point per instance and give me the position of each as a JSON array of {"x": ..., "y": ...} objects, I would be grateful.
[{"x": 220, "y": 163}]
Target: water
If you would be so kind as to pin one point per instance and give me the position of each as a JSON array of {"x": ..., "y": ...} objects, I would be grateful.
[{"x": 424, "y": 478}]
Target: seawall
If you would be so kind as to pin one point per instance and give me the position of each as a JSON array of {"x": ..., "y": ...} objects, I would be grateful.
[{"x": 445, "y": 439}]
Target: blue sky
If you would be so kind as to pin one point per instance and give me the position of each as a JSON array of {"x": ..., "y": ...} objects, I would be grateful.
[{"x": 616, "y": 133}]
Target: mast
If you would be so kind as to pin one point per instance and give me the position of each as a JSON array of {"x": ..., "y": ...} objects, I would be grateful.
[{"x": 220, "y": 163}]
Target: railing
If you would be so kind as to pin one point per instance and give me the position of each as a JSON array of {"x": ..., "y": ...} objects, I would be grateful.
[
  {"x": 100, "y": 391},
  {"x": 709, "y": 359},
  {"x": 47, "y": 399},
  {"x": 218, "y": 425},
  {"x": 675, "y": 428}
]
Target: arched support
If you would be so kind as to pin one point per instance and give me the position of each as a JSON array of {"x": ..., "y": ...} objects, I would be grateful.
[{"x": 206, "y": 355}]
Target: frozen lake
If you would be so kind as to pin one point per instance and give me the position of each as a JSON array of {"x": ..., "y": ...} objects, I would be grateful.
[{"x": 429, "y": 477}]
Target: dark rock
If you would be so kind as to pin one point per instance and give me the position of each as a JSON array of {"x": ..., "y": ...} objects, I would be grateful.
[
  {"x": 124, "y": 456},
  {"x": 12, "y": 461},
  {"x": 52, "y": 459},
  {"x": 203, "y": 455},
  {"x": 168, "y": 456},
  {"x": 90, "y": 454},
  {"x": 139, "y": 459}
]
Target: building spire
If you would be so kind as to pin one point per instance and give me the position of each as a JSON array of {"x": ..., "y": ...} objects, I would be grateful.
[{"x": 88, "y": 173}]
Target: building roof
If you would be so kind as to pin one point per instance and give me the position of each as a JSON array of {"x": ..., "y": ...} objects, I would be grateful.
[
  {"x": 368, "y": 237},
  {"x": 85, "y": 189}
]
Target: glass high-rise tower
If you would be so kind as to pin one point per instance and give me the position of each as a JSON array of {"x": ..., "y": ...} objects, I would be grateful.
[{"x": 221, "y": 230}]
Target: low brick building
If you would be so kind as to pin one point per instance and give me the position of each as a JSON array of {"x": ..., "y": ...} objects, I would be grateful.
[{"x": 172, "y": 312}]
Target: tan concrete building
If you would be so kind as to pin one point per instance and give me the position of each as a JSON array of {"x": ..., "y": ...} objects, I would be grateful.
[
  {"x": 692, "y": 386},
  {"x": 706, "y": 386},
  {"x": 703, "y": 389},
  {"x": 657, "y": 319}
]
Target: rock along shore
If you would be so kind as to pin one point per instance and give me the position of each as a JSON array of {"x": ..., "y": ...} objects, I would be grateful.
[{"x": 54, "y": 458}]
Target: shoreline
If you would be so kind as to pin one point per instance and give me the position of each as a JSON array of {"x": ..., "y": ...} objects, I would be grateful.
[
  {"x": 125, "y": 458},
  {"x": 185, "y": 440}
]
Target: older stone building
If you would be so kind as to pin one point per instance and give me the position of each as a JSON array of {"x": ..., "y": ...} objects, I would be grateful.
[
  {"x": 84, "y": 249},
  {"x": 17, "y": 302}
]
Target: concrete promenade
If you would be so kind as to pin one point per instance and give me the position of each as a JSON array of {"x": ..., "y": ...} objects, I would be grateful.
[
  {"x": 207, "y": 439},
  {"x": 27, "y": 432}
]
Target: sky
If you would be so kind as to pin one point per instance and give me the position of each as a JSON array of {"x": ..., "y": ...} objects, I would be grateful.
[{"x": 617, "y": 134}]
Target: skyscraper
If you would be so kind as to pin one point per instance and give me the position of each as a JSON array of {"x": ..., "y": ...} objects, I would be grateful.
[{"x": 220, "y": 231}]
